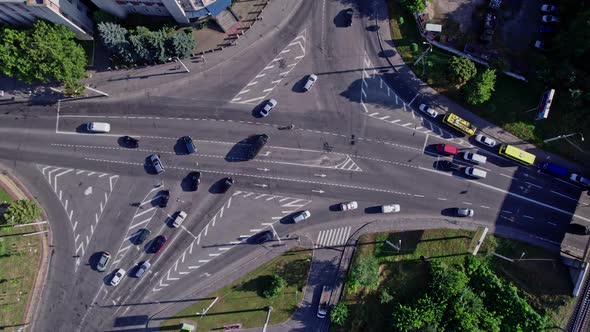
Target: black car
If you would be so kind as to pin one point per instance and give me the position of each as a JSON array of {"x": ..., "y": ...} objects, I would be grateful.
[
  {"x": 158, "y": 244},
  {"x": 257, "y": 143},
  {"x": 263, "y": 237},
  {"x": 448, "y": 166},
  {"x": 188, "y": 143},
  {"x": 130, "y": 142},
  {"x": 227, "y": 183},
  {"x": 348, "y": 16},
  {"x": 195, "y": 180},
  {"x": 142, "y": 236},
  {"x": 164, "y": 197}
]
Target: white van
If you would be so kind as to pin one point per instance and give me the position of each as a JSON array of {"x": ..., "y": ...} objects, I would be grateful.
[
  {"x": 98, "y": 127},
  {"x": 476, "y": 172},
  {"x": 474, "y": 157}
]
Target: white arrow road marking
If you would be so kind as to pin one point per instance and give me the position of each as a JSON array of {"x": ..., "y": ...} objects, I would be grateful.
[
  {"x": 320, "y": 175},
  {"x": 261, "y": 185},
  {"x": 318, "y": 191}
]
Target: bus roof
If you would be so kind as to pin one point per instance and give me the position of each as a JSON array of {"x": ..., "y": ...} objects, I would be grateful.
[
  {"x": 461, "y": 124},
  {"x": 517, "y": 154}
]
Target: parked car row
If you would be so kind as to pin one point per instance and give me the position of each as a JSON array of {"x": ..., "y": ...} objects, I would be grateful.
[{"x": 548, "y": 20}]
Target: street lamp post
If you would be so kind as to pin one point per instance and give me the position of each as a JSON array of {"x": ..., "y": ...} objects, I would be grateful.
[{"x": 563, "y": 136}]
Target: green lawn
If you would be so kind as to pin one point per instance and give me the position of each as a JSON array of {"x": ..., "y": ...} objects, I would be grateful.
[
  {"x": 241, "y": 301},
  {"x": 19, "y": 260},
  {"x": 544, "y": 281},
  {"x": 509, "y": 103},
  {"x": 4, "y": 197}
]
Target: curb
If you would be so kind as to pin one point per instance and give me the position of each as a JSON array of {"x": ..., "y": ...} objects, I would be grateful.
[{"x": 6, "y": 182}]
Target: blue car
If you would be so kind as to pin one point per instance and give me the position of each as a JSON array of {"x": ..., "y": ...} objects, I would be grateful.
[{"x": 546, "y": 29}]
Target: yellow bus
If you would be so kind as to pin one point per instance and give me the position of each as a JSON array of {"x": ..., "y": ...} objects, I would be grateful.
[
  {"x": 460, "y": 124},
  {"x": 517, "y": 154}
]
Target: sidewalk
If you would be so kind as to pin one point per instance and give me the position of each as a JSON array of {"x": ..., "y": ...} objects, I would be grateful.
[
  {"x": 486, "y": 127},
  {"x": 17, "y": 191}
]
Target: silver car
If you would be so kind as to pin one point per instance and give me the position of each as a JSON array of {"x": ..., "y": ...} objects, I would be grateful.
[
  {"x": 428, "y": 110},
  {"x": 157, "y": 163},
  {"x": 142, "y": 269},
  {"x": 310, "y": 82},
  {"x": 301, "y": 216},
  {"x": 464, "y": 212},
  {"x": 268, "y": 107},
  {"x": 103, "y": 261}
]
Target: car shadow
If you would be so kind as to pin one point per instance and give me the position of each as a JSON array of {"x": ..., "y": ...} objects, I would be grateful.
[
  {"x": 256, "y": 110},
  {"x": 449, "y": 212},
  {"x": 239, "y": 152},
  {"x": 288, "y": 219},
  {"x": 373, "y": 209},
  {"x": 83, "y": 129},
  {"x": 341, "y": 19},
  {"x": 387, "y": 53},
  {"x": 107, "y": 278},
  {"x": 335, "y": 207},
  {"x": 148, "y": 246},
  {"x": 373, "y": 28},
  {"x": 298, "y": 86},
  {"x": 93, "y": 260}
]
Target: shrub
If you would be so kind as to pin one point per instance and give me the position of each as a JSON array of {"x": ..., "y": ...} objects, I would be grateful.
[
  {"x": 275, "y": 287},
  {"x": 339, "y": 314},
  {"x": 401, "y": 20},
  {"x": 414, "y": 47},
  {"x": 523, "y": 130},
  {"x": 22, "y": 211}
]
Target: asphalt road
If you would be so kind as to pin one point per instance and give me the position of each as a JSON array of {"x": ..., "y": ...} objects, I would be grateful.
[{"x": 357, "y": 136}]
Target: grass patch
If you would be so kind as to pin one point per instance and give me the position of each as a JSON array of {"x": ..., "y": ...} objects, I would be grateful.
[
  {"x": 544, "y": 281},
  {"x": 510, "y": 101},
  {"x": 4, "y": 197},
  {"x": 242, "y": 302},
  {"x": 19, "y": 260}
]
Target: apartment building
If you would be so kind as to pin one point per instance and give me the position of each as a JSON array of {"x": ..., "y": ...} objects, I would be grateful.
[
  {"x": 71, "y": 13},
  {"x": 183, "y": 11}
]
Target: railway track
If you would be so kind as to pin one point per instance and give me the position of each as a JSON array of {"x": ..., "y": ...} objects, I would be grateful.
[{"x": 580, "y": 318}]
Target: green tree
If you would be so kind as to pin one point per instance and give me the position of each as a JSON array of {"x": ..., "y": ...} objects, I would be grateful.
[
  {"x": 460, "y": 70},
  {"x": 275, "y": 287},
  {"x": 44, "y": 53},
  {"x": 181, "y": 44},
  {"x": 339, "y": 314},
  {"x": 114, "y": 38},
  {"x": 407, "y": 318},
  {"x": 55, "y": 54},
  {"x": 365, "y": 273},
  {"x": 414, "y": 5},
  {"x": 479, "y": 90},
  {"x": 22, "y": 212},
  {"x": 13, "y": 56}
]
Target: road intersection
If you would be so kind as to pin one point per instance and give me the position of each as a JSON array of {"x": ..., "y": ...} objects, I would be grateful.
[{"x": 357, "y": 135}]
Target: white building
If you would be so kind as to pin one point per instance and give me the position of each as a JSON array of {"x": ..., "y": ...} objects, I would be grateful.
[
  {"x": 71, "y": 13},
  {"x": 183, "y": 11}
]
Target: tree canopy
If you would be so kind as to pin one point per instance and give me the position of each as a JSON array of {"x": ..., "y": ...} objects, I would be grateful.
[
  {"x": 44, "y": 53},
  {"x": 141, "y": 45},
  {"x": 461, "y": 70},
  {"x": 479, "y": 90}
]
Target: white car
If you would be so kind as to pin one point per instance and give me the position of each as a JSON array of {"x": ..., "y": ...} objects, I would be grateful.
[
  {"x": 548, "y": 8},
  {"x": 428, "y": 110},
  {"x": 577, "y": 178},
  {"x": 301, "y": 216},
  {"x": 349, "y": 206},
  {"x": 179, "y": 219},
  {"x": 485, "y": 140},
  {"x": 117, "y": 277},
  {"x": 268, "y": 106},
  {"x": 390, "y": 208},
  {"x": 550, "y": 19},
  {"x": 142, "y": 269},
  {"x": 310, "y": 82}
]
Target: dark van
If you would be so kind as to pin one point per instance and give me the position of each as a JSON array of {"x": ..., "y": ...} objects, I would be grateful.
[{"x": 552, "y": 169}]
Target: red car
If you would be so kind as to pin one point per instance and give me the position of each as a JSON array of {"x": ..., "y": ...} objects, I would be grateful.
[
  {"x": 158, "y": 243},
  {"x": 447, "y": 149}
]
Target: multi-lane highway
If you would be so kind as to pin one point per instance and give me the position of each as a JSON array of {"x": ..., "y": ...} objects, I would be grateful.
[{"x": 357, "y": 136}]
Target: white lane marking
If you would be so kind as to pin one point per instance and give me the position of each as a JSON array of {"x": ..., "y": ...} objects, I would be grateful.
[
  {"x": 485, "y": 207},
  {"x": 532, "y": 184},
  {"x": 506, "y": 211},
  {"x": 467, "y": 203},
  {"x": 529, "y": 217},
  {"x": 411, "y": 101},
  {"x": 562, "y": 195},
  {"x": 508, "y": 176},
  {"x": 441, "y": 199}
]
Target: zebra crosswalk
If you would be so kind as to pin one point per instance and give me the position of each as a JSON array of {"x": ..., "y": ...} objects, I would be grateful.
[{"x": 333, "y": 237}]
